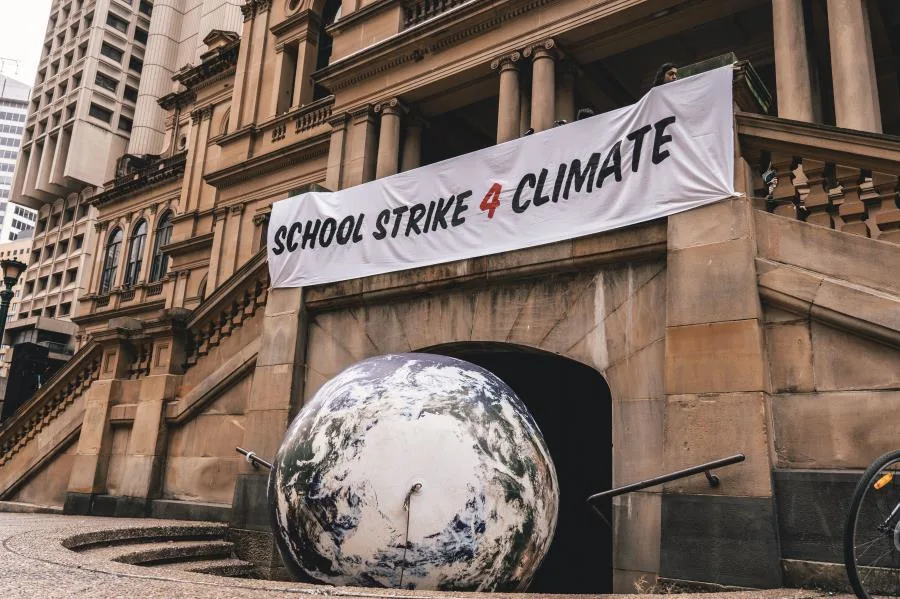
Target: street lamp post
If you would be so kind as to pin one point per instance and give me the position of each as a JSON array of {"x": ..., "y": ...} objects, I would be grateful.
[{"x": 12, "y": 270}]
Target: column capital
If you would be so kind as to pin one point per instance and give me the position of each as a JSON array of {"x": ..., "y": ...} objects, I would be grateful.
[
  {"x": 339, "y": 121},
  {"x": 545, "y": 49},
  {"x": 506, "y": 62},
  {"x": 393, "y": 106},
  {"x": 362, "y": 113}
]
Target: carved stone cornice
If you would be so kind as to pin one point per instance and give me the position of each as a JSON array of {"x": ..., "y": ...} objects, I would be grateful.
[
  {"x": 237, "y": 208},
  {"x": 304, "y": 19},
  {"x": 261, "y": 219},
  {"x": 415, "y": 43},
  {"x": 507, "y": 61}
]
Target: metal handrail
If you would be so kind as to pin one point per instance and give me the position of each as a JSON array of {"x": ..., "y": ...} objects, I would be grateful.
[{"x": 659, "y": 480}]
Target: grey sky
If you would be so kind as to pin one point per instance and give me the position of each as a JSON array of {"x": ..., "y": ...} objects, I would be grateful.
[{"x": 22, "y": 28}]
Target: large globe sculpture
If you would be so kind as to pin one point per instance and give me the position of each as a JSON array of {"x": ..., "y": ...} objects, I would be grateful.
[{"x": 414, "y": 471}]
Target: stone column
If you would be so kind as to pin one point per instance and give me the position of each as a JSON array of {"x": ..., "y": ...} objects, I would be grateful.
[
  {"x": 362, "y": 146},
  {"x": 91, "y": 462},
  {"x": 146, "y": 452},
  {"x": 791, "y": 61},
  {"x": 306, "y": 64},
  {"x": 389, "y": 138},
  {"x": 275, "y": 394},
  {"x": 565, "y": 92},
  {"x": 524, "y": 112},
  {"x": 412, "y": 144},
  {"x": 336, "y": 147},
  {"x": 543, "y": 84},
  {"x": 853, "y": 66},
  {"x": 716, "y": 386},
  {"x": 509, "y": 99}
]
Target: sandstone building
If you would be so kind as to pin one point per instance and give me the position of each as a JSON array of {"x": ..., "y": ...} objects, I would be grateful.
[{"x": 766, "y": 326}]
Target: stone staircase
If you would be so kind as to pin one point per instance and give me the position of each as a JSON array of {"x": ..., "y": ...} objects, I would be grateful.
[{"x": 201, "y": 548}]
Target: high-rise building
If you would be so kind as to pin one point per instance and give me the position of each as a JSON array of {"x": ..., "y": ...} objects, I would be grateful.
[
  {"x": 83, "y": 97},
  {"x": 14, "y": 94}
]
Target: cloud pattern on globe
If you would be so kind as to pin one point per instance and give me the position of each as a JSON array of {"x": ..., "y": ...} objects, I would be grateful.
[{"x": 483, "y": 514}]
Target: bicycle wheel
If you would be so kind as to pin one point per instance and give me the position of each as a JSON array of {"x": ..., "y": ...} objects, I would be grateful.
[{"x": 872, "y": 533}]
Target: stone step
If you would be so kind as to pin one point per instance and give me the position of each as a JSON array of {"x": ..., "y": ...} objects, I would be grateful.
[
  {"x": 232, "y": 567},
  {"x": 129, "y": 536},
  {"x": 162, "y": 551}
]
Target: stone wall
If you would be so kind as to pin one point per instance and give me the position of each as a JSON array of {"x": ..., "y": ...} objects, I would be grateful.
[
  {"x": 48, "y": 485},
  {"x": 201, "y": 464}
]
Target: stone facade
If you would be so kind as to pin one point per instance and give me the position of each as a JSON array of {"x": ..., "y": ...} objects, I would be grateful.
[{"x": 734, "y": 328}]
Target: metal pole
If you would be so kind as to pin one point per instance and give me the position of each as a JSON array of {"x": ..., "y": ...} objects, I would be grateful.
[{"x": 5, "y": 297}]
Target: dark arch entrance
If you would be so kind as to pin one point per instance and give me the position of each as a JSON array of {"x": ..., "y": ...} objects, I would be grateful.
[{"x": 572, "y": 405}]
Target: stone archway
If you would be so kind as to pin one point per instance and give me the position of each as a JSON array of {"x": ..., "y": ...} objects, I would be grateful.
[{"x": 572, "y": 405}]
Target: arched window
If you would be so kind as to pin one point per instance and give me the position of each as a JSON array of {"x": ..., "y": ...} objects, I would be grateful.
[
  {"x": 110, "y": 261},
  {"x": 163, "y": 236},
  {"x": 135, "y": 254}
]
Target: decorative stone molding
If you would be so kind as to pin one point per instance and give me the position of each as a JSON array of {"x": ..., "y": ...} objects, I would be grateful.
[
  {"x": 254, "y": 7},
  {"x": 51, "y": 400},
  {"x": 397, "y": 51},
  {"x": 361, "y": 113},
  {"x": 201, "y": 114},
  {"x": 546, "y": 48},
  {"x": 392, "y": 106},
  {"x": 261, "y": 219},
  {"x": 506, "y": 62},
  {"x": 237, "y": 208},
  {"x": 232, "y": 303},
  {"x": 339, "y": 121}
]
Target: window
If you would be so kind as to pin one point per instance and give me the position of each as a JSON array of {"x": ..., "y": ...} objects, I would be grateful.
[
  {"x": 35, "y": 256},
  {"x": 42, "y": 283},
  {"x": 110, "y": 261},
  {"x": 71, "y": 275},
  {"x": 145, "y": 7},
  {"x": 62, "y": 248},
  {"x": 65, "y": 309},
  {"x": 79, "y": 241},
  {"x": 160, "y": 259},
  {"x": 56, "y": 280},
  {"x": 130, "y": 93},
  {"x": 117, "y": 22},
  {"x": 69, "y": 215},
  {"x": 106, "y": 82},
  {"x": 124, "y": 123},
  {"x": 135, "y": 254},
  {"x": 140, "y": 36},
  {"x": 136, "y": 64},
  {"x": 50, "y": 312},
  {"x": 29, "y": 287},
  {"x": 112, "y": 52},
  {"x": 100, "y": 113},
  {"x": 48, "y": 251}
]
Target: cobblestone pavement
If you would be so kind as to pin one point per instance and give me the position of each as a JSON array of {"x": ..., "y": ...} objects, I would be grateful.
[{"x": 33, "y": 563}]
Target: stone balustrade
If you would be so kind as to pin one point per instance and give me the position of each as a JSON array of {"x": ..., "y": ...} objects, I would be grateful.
[
  {"x": 304, "y": 118},
  {"x": 223, "y": 312},
  {"x": 842, "y": 179},
  {"x": 418, "y": 11},
  {"x": 50, "y": 401}
]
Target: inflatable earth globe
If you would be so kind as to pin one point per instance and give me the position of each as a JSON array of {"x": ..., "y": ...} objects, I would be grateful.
[{"x": 414, "y": 471}]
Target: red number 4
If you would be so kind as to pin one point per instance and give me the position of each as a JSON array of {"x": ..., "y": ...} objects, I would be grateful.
[{"x": 491, "y": 200}]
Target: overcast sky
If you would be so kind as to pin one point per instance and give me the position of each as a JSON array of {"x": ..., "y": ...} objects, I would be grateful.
[{"x": 22, "y": 30}]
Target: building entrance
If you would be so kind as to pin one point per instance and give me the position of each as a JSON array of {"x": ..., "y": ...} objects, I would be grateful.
[{"x": 572, "y": 405}]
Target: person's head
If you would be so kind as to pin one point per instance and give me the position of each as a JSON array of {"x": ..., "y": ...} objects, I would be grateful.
[{"x": 667, "y": 73}]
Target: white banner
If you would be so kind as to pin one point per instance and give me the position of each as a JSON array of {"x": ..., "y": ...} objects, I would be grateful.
[{"x": 671, "y": 151}]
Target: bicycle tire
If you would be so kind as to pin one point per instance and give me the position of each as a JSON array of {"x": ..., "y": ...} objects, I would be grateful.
[{"x": 860, "y": 493}]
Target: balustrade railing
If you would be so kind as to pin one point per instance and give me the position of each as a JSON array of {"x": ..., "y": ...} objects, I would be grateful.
[
  {"x": 230, "y": 305},
  {"x": 417, "y": 11},
  {"x": 838, "y": 178},
  {"x": 50, "y": 401}
]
